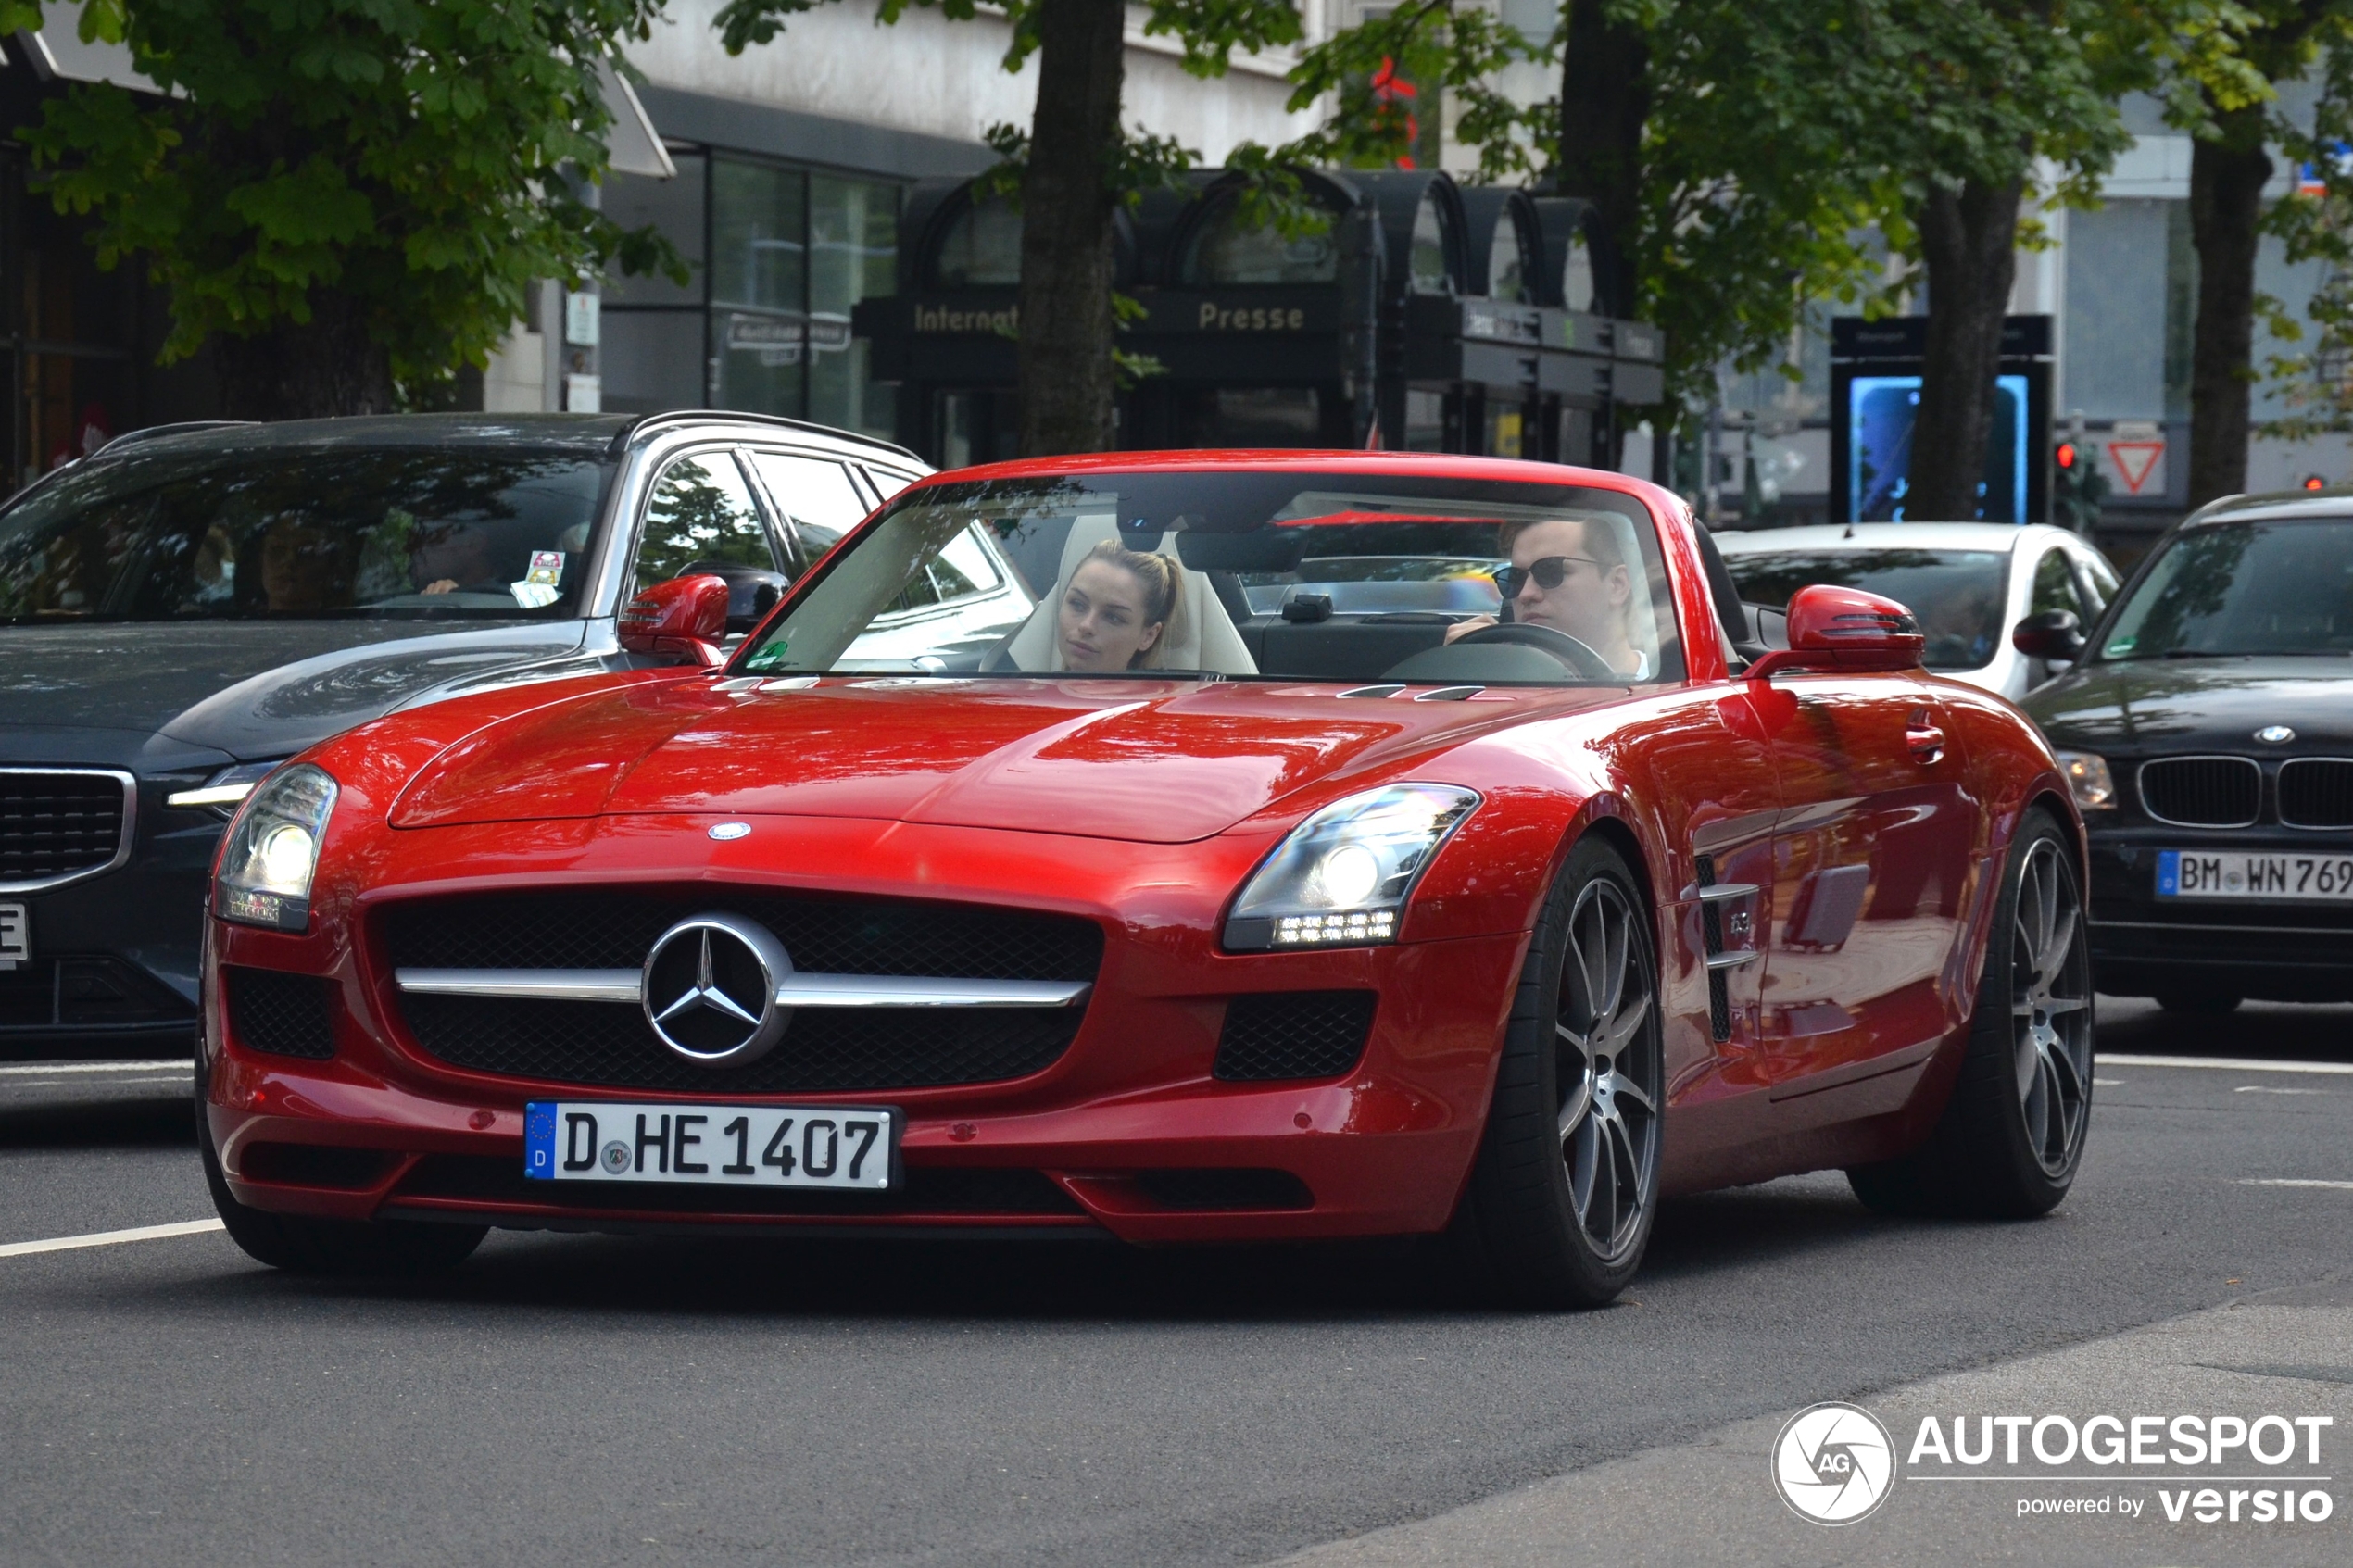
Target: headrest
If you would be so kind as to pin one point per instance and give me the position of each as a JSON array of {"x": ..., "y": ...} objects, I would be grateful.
[{"x": 1202, "y": 638}]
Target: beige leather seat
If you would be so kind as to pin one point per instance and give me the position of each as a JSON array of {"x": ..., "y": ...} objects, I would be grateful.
[{"x": 1203, "y": 637}]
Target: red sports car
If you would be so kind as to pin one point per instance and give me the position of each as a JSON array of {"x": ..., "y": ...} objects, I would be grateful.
[{"x": 1171, "y": 848}]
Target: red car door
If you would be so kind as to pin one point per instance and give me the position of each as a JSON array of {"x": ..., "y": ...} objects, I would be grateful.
[{"x": 1871, "y": 858}]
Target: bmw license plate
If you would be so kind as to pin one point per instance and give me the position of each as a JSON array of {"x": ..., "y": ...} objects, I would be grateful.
[
  {"x": 16, "y": 934},
  {"x": 2197, "y": 874},
  {"x": 842, "y": 1149}
]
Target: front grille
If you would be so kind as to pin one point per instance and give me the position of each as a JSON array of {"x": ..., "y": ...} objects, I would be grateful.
[
  {"x": 2205, "y": 792},
  {"x": 2317, "y": 792},
  {"x": 280, "y": 1014},
  {"x": 482, "y": 1178},
  {"x": 823, "y": 1049},
  {"x": 55, "y": 825},
  {"x": 1293, "y": 1034}
]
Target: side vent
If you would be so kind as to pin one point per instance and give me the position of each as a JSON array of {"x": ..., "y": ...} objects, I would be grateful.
[{"x": 1711, "y": 926}]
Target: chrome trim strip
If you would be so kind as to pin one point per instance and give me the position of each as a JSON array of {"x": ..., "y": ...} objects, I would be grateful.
[
  {"x": 122, "y": 843},
  {"x": 1734, "y": 960},
  {"x": 2140, "y": 786},
  {"x": 2279, "y": 787},
  {"x": 794, "y": 991},
  {"x": 1724, "y": 892}
]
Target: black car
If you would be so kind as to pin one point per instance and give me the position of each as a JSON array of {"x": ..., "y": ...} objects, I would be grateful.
[
  {"x": 2208, "y": 727},
  {"x": 189, "y": 607}
]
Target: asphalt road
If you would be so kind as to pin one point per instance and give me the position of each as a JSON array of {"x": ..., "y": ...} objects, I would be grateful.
[{"x": 584, "y": 1400}]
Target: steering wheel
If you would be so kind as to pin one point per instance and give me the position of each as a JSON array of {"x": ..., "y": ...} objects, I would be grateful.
[{"x": 1582, "y": 660}]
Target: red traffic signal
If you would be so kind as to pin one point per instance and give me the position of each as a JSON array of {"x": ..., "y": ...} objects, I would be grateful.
[
  {"x": 2314, "y": 482},
  {"x": 2065, "y": 453}
]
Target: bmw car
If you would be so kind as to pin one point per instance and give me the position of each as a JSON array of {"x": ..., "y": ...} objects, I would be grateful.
[
  {"x": 1219, "y": 898},
  {"x": 187, "y": 608},
  {"x": 2207, "y": 729}
]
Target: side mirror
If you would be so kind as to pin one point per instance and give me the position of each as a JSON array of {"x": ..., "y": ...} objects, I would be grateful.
[
  {"x": 684, "y": 618},
  {"x": 752, "y": 591},
  {"x": 1833, "y": 628},
  {"x": 2053, "y": 634}
]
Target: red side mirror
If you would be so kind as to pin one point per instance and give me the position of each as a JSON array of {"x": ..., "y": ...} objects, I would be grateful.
[
  {"x": 684, "y": 618},
  {"x": 1844, "y": 629}
]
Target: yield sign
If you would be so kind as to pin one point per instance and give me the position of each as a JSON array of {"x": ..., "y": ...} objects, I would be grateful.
[{"x": 2134, "y": 461}]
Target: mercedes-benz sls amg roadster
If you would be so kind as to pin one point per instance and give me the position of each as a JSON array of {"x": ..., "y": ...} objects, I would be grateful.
[{"x": 1323, "y": 845}]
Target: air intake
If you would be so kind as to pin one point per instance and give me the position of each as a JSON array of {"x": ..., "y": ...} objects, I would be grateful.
[{"x": 1293, "y": 1034}]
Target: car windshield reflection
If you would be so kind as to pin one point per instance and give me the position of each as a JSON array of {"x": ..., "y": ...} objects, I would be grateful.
[{"x": 2237, "y": 590}]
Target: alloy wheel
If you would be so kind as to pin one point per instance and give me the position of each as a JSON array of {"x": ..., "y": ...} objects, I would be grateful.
[
  {"x": 2050, "y": 1007},
  {"x": 1608, "y": 1071}
]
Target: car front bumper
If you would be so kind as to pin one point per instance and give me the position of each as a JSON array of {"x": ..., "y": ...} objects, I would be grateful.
[{"x": 2276, "y": 950}]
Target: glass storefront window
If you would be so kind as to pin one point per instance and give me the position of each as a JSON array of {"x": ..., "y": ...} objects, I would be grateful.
[
  {"x": 1432, "y": 274},
  {"x": 1223, "y": 251},
  {"x": 853, "y": 255},
  {"x": 982, "y": 250}
]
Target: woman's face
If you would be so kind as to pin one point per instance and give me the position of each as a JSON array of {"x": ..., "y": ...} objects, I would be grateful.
[{"x": 1102, "y": 623}]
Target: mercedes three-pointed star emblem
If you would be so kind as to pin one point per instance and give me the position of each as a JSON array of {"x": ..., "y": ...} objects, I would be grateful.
[{"x": 710, "y": 989}]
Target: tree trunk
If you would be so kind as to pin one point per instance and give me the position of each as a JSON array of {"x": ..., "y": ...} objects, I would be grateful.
[
  {"x": 1605, "y": 99},
  {"x": 1967, "y": 240},
  {"x": 317, "y": 369},
  {"x": 2226, "y": 198},
  {"x": 1067, "y": 206}
]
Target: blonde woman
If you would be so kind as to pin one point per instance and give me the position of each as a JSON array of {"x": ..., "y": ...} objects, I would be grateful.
[{"x": 1117, "y": 612}]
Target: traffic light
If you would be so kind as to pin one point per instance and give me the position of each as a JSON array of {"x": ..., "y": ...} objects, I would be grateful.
[
  {"x": 2314, "y": 482},
  {"x": 2077, "y": 488}
]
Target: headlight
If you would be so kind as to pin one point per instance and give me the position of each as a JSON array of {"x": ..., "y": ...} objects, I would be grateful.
[
  {"x": 1342, "y": 876},
  {"x": 225, "y": 790},
  {"x": 2087, "y": 777},
  {"x": 273, "y": 850}
]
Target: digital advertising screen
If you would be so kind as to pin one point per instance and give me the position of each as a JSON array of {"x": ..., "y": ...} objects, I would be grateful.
[{"x": 1881, "y": 411}]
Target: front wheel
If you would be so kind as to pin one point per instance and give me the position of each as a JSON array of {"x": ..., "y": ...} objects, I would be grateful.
[
  {"x": 1566, "y": 1184},
  {"x": 299, "y": 1244},
  {"x": 2011, "y": 1137}
]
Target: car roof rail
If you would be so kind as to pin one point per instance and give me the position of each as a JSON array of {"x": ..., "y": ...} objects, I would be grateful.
[
  {"x": 151, "y": 432},
  {"x": 644, "y": 422}
]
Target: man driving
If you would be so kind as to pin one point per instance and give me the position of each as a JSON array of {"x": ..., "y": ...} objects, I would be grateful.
[{"x": 1569, "y": 575}]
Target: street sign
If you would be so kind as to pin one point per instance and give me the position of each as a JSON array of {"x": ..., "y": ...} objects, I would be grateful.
[{"x": 2136, "y": 453}]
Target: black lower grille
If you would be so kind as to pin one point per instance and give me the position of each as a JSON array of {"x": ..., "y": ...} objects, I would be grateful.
[
  {"x": 1013, "y": 1193},
  {"x": 1293, "y": 1034},
  {"x": 93, "y": 992},
  {"x": 2316, "y": 792},
  {"x": 56, "y": 825},
  {"x": 2207, "y": 792},
  {"x": 1226, "y": 1189},
  {"x": 280, "y": 1014},
  {"x": 609, "y": 1045}
]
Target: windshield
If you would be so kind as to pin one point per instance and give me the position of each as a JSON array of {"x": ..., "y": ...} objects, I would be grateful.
[
  {"x": 1957, "y": 595},
  {"x": 1293, "y": 574},
  {"x": 2242, "y": 588},
  {"x": 459, "y": 532}
]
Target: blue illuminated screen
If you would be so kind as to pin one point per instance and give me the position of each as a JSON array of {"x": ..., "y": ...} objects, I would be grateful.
[{"x": 1879, "y": 412}]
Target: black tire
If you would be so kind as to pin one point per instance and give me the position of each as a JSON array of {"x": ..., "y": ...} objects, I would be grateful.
[
  {"x": 1565, "y": 1187},
  {"x": 2197, "y": 1006},
  {"x": 303, "y": 1246},
  {"x": 2011, "y": 1139}
]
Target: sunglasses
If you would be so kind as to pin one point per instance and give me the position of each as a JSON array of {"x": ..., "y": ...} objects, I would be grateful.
[{"x": 1550, "y": 573}]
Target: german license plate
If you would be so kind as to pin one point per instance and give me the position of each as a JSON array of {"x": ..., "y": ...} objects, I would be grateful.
[
  {"x": 850, "y": 1149},
  {"x": 2199, "y": 874},
  {"x": 16, "y": 934}
]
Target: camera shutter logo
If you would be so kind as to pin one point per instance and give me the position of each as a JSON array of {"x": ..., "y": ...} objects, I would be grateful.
[
  {"x": 1833, "y": 1463},
  {"x": 710, "y": 989}
]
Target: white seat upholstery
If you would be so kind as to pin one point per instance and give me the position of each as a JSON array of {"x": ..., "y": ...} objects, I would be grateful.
[{"x": 1202, "y": 638}]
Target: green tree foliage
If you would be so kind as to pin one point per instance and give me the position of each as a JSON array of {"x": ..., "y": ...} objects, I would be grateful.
[{"x": 346, "y": 198}]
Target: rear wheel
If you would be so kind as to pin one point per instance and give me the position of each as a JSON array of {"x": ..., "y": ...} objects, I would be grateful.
[
  {"x": 2012, "y": 1135},
  {"x": 1562, "y": 1196},
  {"x": 300, "y": 1245}
]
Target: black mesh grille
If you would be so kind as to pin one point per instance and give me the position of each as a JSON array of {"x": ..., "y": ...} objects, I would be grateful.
[
  {"x": 2218, "y": 792},
  {"x": 1226, "y": 1189},
  {"x": 610, "y": 1045},
  {"x": 55, "y": 825},
  {"x": 1014, "y": 1194},
  {"x": 280, "y": 1014},
  {"x": 1293, "y": 1034},
  {"x": 2316, "y": 792}
]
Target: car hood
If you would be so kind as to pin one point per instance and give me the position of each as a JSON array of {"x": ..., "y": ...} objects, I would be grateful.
[
  {"x": 2170, "y": 704},
  {"x": 251, "y": 689},
  {"x": 1153, "y": 762}
]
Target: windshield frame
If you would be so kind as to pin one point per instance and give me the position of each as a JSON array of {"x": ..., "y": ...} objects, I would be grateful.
[
  {"x": 1679, "y": 644},
  {"x": 145, "y": 472},
  {"x": 2097, "y": 636}
]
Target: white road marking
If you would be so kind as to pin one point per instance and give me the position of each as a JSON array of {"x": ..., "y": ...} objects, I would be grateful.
[
  {"x": 2267, "y": 1089},
  {"x": 2107, "y": 1082},
  {"x": 109, "y": 1238},
  {"x": 51, "y": 1069},
  {"x": 2294, "y": 1182},
  {"x": 2225, "y": 1064}
]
